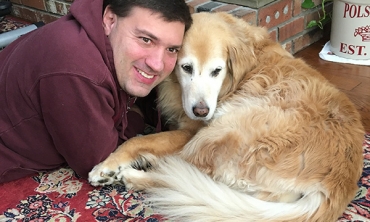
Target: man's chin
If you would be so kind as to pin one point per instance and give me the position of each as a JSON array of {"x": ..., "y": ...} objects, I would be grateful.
[{"x": 139, "y": 93}]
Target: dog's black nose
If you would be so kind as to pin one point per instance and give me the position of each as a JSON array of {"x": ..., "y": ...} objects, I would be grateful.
[{"x": 201, "y": 109}]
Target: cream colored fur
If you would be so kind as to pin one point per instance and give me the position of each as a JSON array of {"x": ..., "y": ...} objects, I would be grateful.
[{"x": 281, "y": 143}]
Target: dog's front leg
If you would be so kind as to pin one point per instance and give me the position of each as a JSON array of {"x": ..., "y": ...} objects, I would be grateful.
[{"x": 132, "y": 156}]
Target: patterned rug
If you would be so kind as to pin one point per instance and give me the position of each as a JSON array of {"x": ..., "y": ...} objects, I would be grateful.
[
  {"x": 9, "y": 23},
  {"x": 62, "y": 196}
]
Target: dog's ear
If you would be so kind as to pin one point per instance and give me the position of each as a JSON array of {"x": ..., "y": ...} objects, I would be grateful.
[
  {"x": 241, "y": 46},
  {"x": 245, "y": 44},
  {"x": 240, "y": 61}
]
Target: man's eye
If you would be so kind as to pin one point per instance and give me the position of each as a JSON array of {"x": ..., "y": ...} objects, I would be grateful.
[
  {"x": 146, "y": 40},
  {"x": 173, "y": 50}
]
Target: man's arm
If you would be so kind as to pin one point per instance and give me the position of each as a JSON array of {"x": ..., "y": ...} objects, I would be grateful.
[{"x": 78, "y": 115}]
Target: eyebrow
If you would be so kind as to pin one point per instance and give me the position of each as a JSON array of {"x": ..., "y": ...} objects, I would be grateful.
[{"x": 150, "y": 35}]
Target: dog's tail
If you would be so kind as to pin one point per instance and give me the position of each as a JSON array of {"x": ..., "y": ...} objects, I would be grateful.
[{"x": 186, "y": 194}]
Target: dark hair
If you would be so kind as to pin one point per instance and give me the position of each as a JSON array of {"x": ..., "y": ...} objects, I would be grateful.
[{"x": 171, "y": 10}]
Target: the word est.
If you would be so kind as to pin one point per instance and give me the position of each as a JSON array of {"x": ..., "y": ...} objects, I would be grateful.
[{"x": 352, "y": 49}]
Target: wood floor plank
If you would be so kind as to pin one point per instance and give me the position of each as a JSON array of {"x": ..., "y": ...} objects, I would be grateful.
[
  {"x": 343, "y": 82},
  {"x": 363, "y": 88}
]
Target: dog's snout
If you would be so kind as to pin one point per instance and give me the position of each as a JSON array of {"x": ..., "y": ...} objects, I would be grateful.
[{"x": 201, "y": 109}]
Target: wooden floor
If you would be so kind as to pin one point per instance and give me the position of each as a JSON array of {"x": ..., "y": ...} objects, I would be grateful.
[{"x": 354, "y": 80}]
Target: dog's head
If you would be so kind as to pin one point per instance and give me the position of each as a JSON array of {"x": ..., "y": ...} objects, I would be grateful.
[{"x": 218, "y": 51}]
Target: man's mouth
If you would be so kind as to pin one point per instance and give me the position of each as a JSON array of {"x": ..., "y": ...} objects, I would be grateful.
[{"x": 145, "y": 75}]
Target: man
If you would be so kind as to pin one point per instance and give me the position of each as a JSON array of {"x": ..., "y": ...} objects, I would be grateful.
[{"x": 66, "y": 89}]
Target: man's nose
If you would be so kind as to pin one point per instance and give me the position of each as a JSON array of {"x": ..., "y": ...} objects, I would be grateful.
[{"x": 155, "y": 60}]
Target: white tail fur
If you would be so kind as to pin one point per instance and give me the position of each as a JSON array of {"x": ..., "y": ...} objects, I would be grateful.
[{"x": 189, "y": 195}]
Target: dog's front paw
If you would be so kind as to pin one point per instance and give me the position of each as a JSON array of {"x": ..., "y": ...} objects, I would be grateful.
[
  {"x": 136, "y": 177},
  {"x": 107, "y": 172},
  {"x": 112, "y": 171}
]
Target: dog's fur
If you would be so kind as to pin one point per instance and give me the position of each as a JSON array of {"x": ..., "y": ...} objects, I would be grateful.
[{"x": 267, "y": 137}]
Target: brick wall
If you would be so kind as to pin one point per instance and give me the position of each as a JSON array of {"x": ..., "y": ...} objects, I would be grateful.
[
  {"x": 285, "y": 19},
  {"x": 40, "y": 10}
]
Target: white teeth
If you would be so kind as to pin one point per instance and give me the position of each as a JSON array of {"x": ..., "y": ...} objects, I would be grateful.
[{"x": 145, "y": 75}]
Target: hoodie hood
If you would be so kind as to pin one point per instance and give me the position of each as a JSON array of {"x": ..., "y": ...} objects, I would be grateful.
[{"x": 89, "y": 14}]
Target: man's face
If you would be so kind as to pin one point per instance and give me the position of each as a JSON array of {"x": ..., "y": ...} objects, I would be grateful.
[{"x": 144, "y": 48}]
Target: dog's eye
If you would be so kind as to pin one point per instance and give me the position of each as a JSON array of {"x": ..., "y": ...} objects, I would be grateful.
[
  {"x": 216, "y": 72},
  {"x": 187, "y": 68}
]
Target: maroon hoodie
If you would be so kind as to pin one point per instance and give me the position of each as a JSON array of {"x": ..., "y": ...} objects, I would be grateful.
[{"x": 60, "y": 102}]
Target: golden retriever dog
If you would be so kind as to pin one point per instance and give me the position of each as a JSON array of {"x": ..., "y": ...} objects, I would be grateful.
[{"x": 261, "y": 136}]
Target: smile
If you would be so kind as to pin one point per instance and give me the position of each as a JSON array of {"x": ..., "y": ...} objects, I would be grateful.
[{"x": 145, "y": 75}]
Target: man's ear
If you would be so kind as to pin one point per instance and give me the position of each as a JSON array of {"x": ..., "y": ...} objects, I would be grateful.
[{"x": 109, "y": 20}]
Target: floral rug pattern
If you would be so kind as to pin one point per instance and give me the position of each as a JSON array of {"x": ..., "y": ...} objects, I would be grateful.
[
  {"x": 9, "y": 23},
  {"x": 62, "y": 195}
]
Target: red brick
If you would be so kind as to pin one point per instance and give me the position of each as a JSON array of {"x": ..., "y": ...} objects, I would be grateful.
[
  {"x": 275, "y": 13},
  {"x": 226, "y": 8},
  {"x": 307, "y": 39},
  {"x": 46, "y": 17},
  {"x": 273, "y": 34},
  {"x": 193, "y": 4},
  {"x": 312, "y": 15},
  {"x": 16, "y": 1},
  {"x": 33, "y": 15},
  {"x": 290, "y": 29},
  {"x": 317, "y": 2},
  {"x": 247, "y": 14},
  {"x": 57, "y": 7},
  {"x": 24, "y": 13},
  {"x": 38, "y": 4},
  {"x": 297, "y": 8}
]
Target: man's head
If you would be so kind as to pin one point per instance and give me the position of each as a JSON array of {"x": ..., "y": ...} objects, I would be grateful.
[
  {"x": 145, "y": 36},
  {"x": 171, "y": 10}
]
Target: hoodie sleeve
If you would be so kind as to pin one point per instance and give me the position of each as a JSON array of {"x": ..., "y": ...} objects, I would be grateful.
[
  {"x": 135, "y": 126},
  {"x": 78, "y": 115}
]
